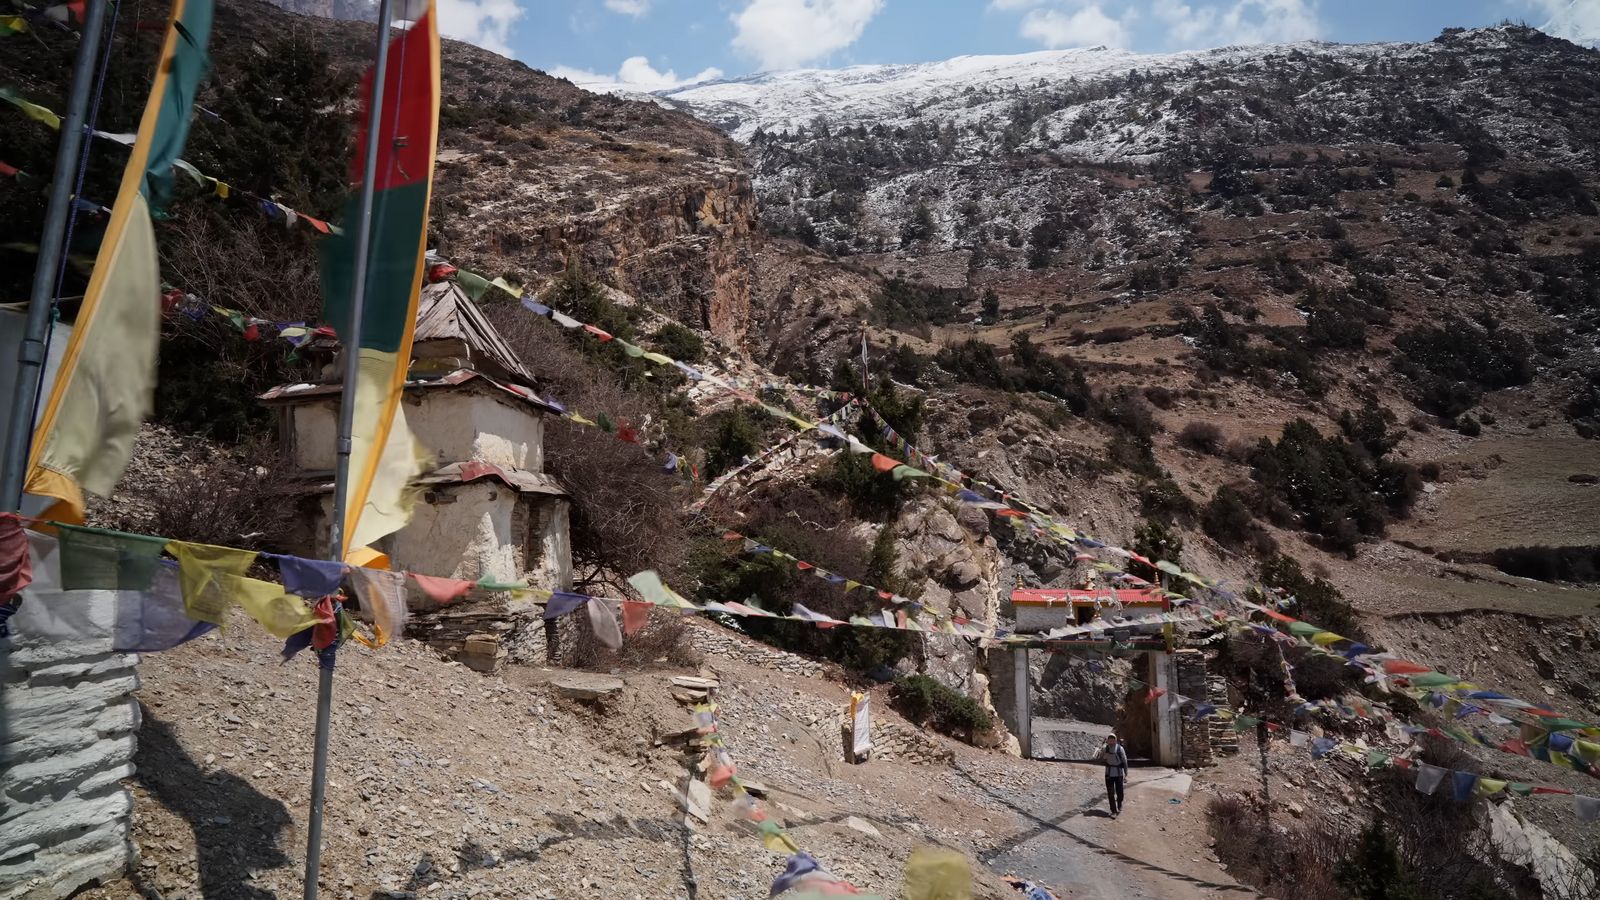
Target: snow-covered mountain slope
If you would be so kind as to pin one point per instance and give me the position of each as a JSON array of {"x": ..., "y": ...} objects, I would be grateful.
[
  {"x": 897, "y": 94},
  {"x": 1103, "y": 105}
]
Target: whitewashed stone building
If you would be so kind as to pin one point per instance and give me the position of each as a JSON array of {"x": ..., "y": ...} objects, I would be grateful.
[{"x": 486, "y": 509}]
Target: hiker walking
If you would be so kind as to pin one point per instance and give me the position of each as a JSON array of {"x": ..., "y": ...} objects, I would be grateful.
[{"x": 1115, "y": 759}]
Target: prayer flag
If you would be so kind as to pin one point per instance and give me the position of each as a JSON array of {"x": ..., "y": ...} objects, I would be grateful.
[
  {"x": 1463, "y": 783},
  {"x": 650, "y": 587},
  {"x": 1429, "y": 777},
  {"x": 635, "y": 616},
  {"x": 937, "y": 874},
  {"x": 314, "y": 578},
  {"x": 281, "y": 614},
  {"x": 441, "y": 590},
  {"x": 154, "y": 620},
  {"x": 383, "y": 602},
  {"x": 603, "y": 619},
  {"x": 106, "y": 383},
  {"x": 1587, "y": 809},
  {"x": 198, "y": 566},
  {"x": 562, "y": 602},
  {"x": 384, "y": 455},
  {"x": 16, "y": 567},
  {"x": 102, "y": 560}
]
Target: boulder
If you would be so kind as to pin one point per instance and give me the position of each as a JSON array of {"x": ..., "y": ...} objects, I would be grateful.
[{"x": 587, "y": 687}]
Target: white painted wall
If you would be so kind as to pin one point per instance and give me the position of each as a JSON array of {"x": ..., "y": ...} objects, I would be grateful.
[
  {"x": 72, "y": 722},
  {"x": 452, "y": 426}
]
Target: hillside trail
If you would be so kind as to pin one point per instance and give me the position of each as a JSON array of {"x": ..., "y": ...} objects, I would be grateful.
[
  {"x": 1153, "y": 851},
  {"x": 445, "y": 784}
]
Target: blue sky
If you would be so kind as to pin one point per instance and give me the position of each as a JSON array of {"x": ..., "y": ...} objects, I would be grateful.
[{"x": 651, "y": 44}]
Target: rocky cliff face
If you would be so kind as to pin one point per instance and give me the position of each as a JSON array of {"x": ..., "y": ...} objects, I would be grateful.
[{"x": 535, "y": 174}]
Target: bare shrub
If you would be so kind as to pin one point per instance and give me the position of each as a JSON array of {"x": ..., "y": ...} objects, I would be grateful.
[
  {"x": 1203, "y": 437},
  {"x": 1297, "y": 861},
  {"x": 664, "y": 639},
  {"x": 626, "y": 513},
  {"x": 235, "y": 501}
]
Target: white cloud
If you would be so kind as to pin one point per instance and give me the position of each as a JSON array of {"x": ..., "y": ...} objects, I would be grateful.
[
  {"x": 1088, "y": 26},
  {"x": 1576, "y": 20},
  {"x": 635, "y": 8},
  {"x": 1198, "y": 24},
  {"x": 486, "y": 23},
  {"x": 635, "y": 74},
  {"x": 783, "y": 34}
]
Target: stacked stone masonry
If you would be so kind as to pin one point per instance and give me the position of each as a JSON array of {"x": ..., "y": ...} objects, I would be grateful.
[
  {"x": 1224, "y": 740},
  {"x": 714, "y": 642},
  {"x": 71, "y": 722},
  {"x": 1196, "y": 733}
]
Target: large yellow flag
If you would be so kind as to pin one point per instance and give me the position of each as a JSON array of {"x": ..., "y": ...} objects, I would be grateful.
[{"x": 108, "y": 372}]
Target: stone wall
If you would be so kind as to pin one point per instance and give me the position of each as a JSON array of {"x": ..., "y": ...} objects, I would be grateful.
[
  {"x": 1196, "y": 733},
  {"x": 71, "y": 725},
  {"x": 714, "y": 641}
]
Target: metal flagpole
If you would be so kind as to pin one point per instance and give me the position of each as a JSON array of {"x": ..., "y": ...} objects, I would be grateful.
[
  {"x": 351, "y": 338},
  {"x": 41, "y": 300},
  {"x": 31, "y": 354}
]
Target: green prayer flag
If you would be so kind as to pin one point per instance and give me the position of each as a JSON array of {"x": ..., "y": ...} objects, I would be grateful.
[
  {"x": 472, "y": 284},
  {"x": 1245, "y": 723},
  {"x": 100, "y": 560},
  {"x": 1377, "y": 759}
]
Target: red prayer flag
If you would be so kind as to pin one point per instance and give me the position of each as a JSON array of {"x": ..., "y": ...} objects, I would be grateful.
[
  {"x": 1550, "y": 790},
  {"x": 441, "y": 590},
  {"x": 635, "y": 615},
  {"x": 1403, "y": 667},
  {"x": 803, "y": 566},
  {"x": 732, "y": 536},
  {"x": 252, "y": 332},
  {"x": 1154, "y": 694},
  {"x": 326, "y": 631},
  {"x": 1515, "y": 746},
  {"x": 7, "y": 170},
  {"x": 883, "y": 463},
  {"x": 602, "y": 335},
  {"x": 16, "y": 568},
  {"x": 316, "y": 223}
]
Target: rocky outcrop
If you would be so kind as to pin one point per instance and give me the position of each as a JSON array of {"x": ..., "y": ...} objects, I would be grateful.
[{"x": 681, "y": 248}]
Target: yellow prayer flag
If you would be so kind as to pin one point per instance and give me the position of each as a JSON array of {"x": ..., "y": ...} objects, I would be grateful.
[
  {"x": 933, "y": 874},
  {"x": 198, "y": 567},
  {"x": 279, "y": 613}
]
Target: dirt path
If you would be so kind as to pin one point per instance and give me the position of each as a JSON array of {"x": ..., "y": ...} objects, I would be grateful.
[{"x": 1070, "y": 843}]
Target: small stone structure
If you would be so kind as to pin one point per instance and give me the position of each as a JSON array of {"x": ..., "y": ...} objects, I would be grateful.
[
  {"x": 486, "y": 510},
  {"x": 71, "y": 725}
]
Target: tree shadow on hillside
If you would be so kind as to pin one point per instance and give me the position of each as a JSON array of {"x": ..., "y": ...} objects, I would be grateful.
[{"x": 236, "y": 827}]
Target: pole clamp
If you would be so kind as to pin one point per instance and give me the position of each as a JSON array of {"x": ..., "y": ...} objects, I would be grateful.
[{"x": 31, "y": 352}]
